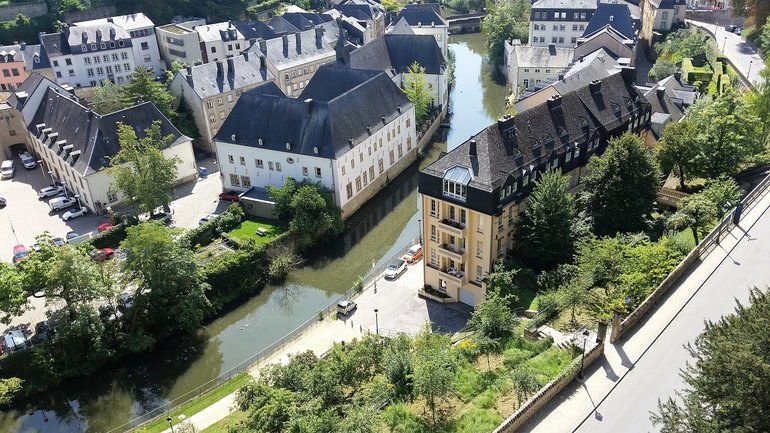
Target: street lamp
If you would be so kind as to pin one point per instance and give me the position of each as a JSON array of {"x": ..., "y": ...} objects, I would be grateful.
[
  {"x": 374, "y": 265},
  {"x": 168, "y": 418},
  {"x": 77, "y": 196},
  {"x": 723, "y": 45},
  {"x": 376, "y": 322},
  {"x": 583, "y": 357},
  {"x": 748, "y": 76},
  {"x": 40, "y": 163},
  {"x": 419, "y": 228}
]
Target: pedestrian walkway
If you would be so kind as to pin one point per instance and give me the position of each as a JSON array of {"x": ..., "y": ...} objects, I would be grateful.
[
  {"x": 744, "y": 56},
  {"x": 584, "y": 401}
]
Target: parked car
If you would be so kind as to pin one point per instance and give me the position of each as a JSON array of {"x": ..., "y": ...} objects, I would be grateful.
[
  {"x": 102, "y": 254},
  {"x": 13, "y": 341},
  {"x": 19, "y": 253},
  {"x": 27, "y": 160},
  {"x": 58, "y": 242},
  {"x": 206, "y": 218},
  {"x": 60, "y": 203},
  {"x": 413, "y": 254},
  {"x": 50, "y": 191},
  {"x": 395, "y": 269},
  {"x": 7, "y": 169},
  {"x": 103, "y": 227},
  {"x": 163, "y": 217},
  {"x": 125, "y": 302},
  {"x": 731, "y": 28},
  {"x": 738, "y": 31},
  {"x": 2, "y": 202},
  {"x": 108, "y": 313},
  {"x": 36, "y": 247},
  {"x": 345, "y": 306},
  {"x": 74, "y": 213},
  {"x": 230, "y": 196},
  {"x": 43, "y": 332},
  {"x": 71, "y": 235}
]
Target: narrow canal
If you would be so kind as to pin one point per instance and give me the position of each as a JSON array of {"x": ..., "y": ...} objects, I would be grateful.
[{"x": 112, "y": 398}]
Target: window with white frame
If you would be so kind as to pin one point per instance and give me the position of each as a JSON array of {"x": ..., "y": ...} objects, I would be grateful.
[
  {"x": 242, "y": 160},
  {"x": 260, "y": 163},
  {"x": 235, "y": 180},
  {"x": 455, "y": 183}
]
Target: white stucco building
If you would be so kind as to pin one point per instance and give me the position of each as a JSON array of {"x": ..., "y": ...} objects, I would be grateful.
[
  {"x": 422, "y": 19},
  {"x": 178, "y": 41},
  {"x": 527, "y": 66},
  {"x": 559, "y": 22}
]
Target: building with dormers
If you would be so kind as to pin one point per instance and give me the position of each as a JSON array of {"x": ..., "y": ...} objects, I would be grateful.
[
  {"x": 333, "y": 134},
  {"x": 473, "y": 195},
  {"x": 18, "y": 61},
  {"x": 559, "y": 22},
  {"x": 423, "y": 19}
]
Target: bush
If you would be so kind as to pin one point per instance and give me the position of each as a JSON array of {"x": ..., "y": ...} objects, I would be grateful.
[
  {"x": 514, "y": 356},
  {"x": 282, "y": 260},
  {"x": 208, "y": 232},
  {"x": 110, "y": 238},
  {"x": 242, "y": 272}
]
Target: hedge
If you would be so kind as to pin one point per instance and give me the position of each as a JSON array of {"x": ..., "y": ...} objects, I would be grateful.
[
  {"x": 208, "y": 232},
  {"x": 110, "y": 238},
  {"x": 235, "y": 274}
]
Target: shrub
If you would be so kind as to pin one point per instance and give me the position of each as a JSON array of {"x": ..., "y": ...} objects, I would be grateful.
[
  {"x": 208, "y": 232},
  {"x": 110, "y": 238},
  {"x": 514, "y": 356},
  {"x": 282, "y": 260},
  {"x": 239, "y": 273},
  {"x": 478, "y": 420}
]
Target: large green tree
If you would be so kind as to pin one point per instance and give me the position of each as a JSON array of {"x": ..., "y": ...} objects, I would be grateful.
[
  {"x": 492, "y": 323},
  {"x": 144, "y": 87},
  {"x": 757, "y": 12},
  {"x": 141, "y": 171},
  {"x": 621, "y": 186},
  {"x": 723, "y": 193},
  {"x": 677, "y": 149},
  {"x": 310, "y": 209},
  {"x": 505, "y": 20},
  {"x": 73, "y": 278},
  {"x": 695, "y": 212},
  {"x": 434, "y": 368},
  {"x": 9, "y": 388},
  {"x": 728, "y": 380},
  {"x": 13, "y": 297},
  {"x": 107, "y": 98},
  {"x": 547, "y": 227},
  {"x": 416, "y": 89}
]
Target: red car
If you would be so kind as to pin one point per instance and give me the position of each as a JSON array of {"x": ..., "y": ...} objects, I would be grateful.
[
  {"x": 19, "y": 253},
  {"x": 102, "y": 254},
  {"x": 230, "y": 196},
  {"x": 104, "y": 227}
]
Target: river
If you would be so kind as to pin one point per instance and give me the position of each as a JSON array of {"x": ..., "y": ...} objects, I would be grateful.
[{"x": 111, "y": 398}]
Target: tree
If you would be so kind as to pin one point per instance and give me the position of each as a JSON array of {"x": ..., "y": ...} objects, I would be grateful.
[
  {"x": 727, "y": 380},
  {"x": 170, "y": 295},
  {"x": 505, "y": 21},
  {"x": 546, "y": 232},
  {"x": 524, "y": 383},
  {"x": 72, "y": 278},
  {"x": 22, "y": 20},
  {"x": 500, "y": 279},
  {"x": 621, "y": 186},
  {"x": 107, "y": 98},
  {"x": 80, "y": 344},
  {"x": 661, "y": 69},
  {"x": 723, "y": 193},
  {"x": 142, "y": 173},
  {"x": 310, "y": 209},
  {"x": 9, "y": 388},
  {"x": 416, "y": 90},
  {"x": 398, "y": 364},
  {"x": 269, "y": 408},
  {"x": 434, "y": 368},
  {"x": 176, "y": 66},
  {"x": 695, "y": 212},
  {"x": 756, "y": 11},
  {"x": 572, "y": 296},
  {"x": 144, "y": 87},
  {"x": 677, "y": 149},
  {"x": 728, "y": 134},
  {"x": 13, "y": 297},
  {"x": 492, "y": 322}
]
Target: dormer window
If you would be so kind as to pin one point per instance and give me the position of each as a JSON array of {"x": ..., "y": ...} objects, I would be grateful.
[
  {"x": 456, "y": 182},
  {"x": 616, "y": 109}
]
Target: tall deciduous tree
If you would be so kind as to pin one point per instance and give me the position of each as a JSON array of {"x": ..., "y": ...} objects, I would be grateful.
[
  {"x": 434, "y": 368},
  {"x": 492, "y": 322},
  {"x": 9, "y": 387},
  {"x": 677, "y": 149},
  {"x": 546, "y": 229},
  {"x": 756, "y": 11},
  {"x": 621, "y": 186},
  {"x": 695, "y": 212},
  {"x": 72, "y": 278},
  {"x": 500, "y": 279},
  {"x": 504, "y": 21},
  {"x": 310, "y": 209},
  {"x": 108, "y": 98},
  {"x": 13, "y": 297},
  {"x": 144, "y": 87},
  {"x": 727, "y": 380},
  {"x": 416, "y": 90},
  {"x": 141, "y": 171},
  {"x": 723, "y": 193},
  {"x": 524, "y": 383}
]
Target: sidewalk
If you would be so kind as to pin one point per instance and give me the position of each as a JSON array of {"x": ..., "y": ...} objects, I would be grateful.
[{"x": 579, "y": 401}]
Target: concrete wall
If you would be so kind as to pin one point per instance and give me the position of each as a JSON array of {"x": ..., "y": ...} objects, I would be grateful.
[{"x": 32, "y": 9}]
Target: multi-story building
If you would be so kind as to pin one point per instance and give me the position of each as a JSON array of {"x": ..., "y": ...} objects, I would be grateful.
[
  {"x": 609, "y": 39},
  {"x": 178, "y": 41},
  {"x": 395, "y": 53},
  {"x": 423, "y": 19},
  {"x": 473, "y": 195},
  {"x": 76, "y": 144},
  {"x": 212, "y": 89},
  {"x": 559, "y": 22},
  {"x": 526, "y": 66},
  {"x": 293, "y": 58},
  {"x": 18, "y": 61},
  {"x": 13, "y": 139},
  {"x": 370, "y": 16},
  {"x": 660, "y": 16},
  {"x": 333, "y": 134},
  {"x": 220, "y": 41},
  {"x": 86, "y": 53}
]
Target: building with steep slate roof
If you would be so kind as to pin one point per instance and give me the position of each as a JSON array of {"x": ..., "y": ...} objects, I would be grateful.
[
  {"x": 472, "y": 196},
  {"x": 332, "y": 134},
  {"x": 423, "y": 19},
  {"x": 526, "y": 66},
  {"x": 18, "y": 61}
]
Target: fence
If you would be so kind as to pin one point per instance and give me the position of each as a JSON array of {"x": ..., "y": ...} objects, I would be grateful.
[
  {"x": 700, "y": 251},
  {"x": 368, "y": 280}
]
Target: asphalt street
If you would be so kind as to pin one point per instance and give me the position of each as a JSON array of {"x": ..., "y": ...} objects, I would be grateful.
[{"x": 744, "y": 56}]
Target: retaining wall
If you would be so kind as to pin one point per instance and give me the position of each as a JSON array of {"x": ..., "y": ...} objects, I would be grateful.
[
  {"x": 90, "y": 14},
  {"x": 32, "y": 9}
]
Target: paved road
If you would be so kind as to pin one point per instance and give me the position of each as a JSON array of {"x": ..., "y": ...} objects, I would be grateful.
[
  {"x": 622, "y": 388},
  {"x": 744, "y": 55}
]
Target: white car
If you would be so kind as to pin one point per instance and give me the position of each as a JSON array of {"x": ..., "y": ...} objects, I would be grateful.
[
  {"x": 395, "y": 269},
  {"x": 74, "y": 213},
  {"x": 7, "y": 169},
  {"x": 345, "y": 306},
  {"x": 50, "y": 191},
  {"x": 206, "y": 218},
  {"x": 60, "y": 203},
  {"x": 27, "y": 160}
]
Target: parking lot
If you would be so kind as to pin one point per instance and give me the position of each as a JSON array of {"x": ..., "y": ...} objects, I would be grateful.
[{"x": 26, "y": 216}]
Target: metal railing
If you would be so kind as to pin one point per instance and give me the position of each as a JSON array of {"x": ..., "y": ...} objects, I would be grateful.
[{"x": 368, "y": 280}]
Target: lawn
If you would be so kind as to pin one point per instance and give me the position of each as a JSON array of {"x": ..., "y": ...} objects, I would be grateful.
[
  {"x": 227, "y": 425},
  {"x": 248, "y": 228},
  {"x": 160, "y": 424},
  {"x": 527, "y": 297}
]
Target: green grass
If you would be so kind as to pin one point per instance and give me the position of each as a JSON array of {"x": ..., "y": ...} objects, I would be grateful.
[
  {"x": 548, "y": 364},
  {"x": 160, "y": 424},
  {"x": 227, "y": 425},
  {"x": 526, "y": 298},
  {"x": 247, "y": 230}
]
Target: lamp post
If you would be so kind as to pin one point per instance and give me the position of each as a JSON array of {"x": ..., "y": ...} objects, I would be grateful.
[
  {"x": 168, "y": 418},
  {"x": 583, "y": 357},
  {"x": 77, "y": 197},
  {"x": 374, "y": 265},
  {"x": 723, "y": 45},
  {"x": 376, "y": 322},
  {"x": 419, "y": 228},
  {"x": 748, "y": 76}
]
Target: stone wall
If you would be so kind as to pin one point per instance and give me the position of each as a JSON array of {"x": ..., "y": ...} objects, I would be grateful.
[
  {"x": 548, "y": 392},
  {"x": 32, "y": 9},
  {"x": 90, "y": 14},
  {"x": 428, "y": 134}
]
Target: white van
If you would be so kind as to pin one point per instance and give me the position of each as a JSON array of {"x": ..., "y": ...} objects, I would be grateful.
[
  {"x": 7, "y": 169},
  {"x": 13, "y": 341},
  {"x": 60, "y": 203},
  {"x": 27, "y": 160}
]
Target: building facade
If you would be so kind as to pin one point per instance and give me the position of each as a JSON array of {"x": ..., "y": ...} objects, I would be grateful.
[
  {"x": 527, "y": 66},
  {"x": 331, "y": 134},
  {"x": 559, "y": 22},
  {"x": 424, "y": 19},
  {"x": 178, "y": 41},
  {"x": 661, "y": 16},
  {"x": 472, "y": 197},
  {"x": 220, "y": 41}
]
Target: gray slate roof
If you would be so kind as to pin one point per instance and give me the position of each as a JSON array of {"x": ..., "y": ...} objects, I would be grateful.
[
  {"x": 215, "y": 78},
  {"x": 616, "y": 15},
  {"x": 336, "y": 106},
  {"x": 284, "y": 51},
  {"x": 564, "y": 4},
  {"x": 255, "y": 30},
  {"x": 26, "y": 53},
  {"x": 421, "y": 14},
  {"x": 281, "y": 26},
  {"x": 398, "y": 52},
  {"x": 546, "y": 57}
]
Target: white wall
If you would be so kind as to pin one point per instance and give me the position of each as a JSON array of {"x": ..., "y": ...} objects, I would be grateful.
[
  {"x": 440, "y": 32},
  {"x": 224, "y": 49},
  {"x": 438, "y": 86},
  {"x": 545, "y": 34},
  {"x": 152, "y": 51},
  {"x": 81, "y": 77},
  {"x": 186, "y": 43}
]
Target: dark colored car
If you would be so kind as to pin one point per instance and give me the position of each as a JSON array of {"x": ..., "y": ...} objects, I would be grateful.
[
  {"x": 57, "y": 242},
  {"x": 2, "y": 202},
  {"x": 43, "y": 332},
  {"x": 163, "y": 217},
  {"x": 731, "y": 28},
  {"x": 230, "y": 196},
  {"x": 72, "y": 235}
]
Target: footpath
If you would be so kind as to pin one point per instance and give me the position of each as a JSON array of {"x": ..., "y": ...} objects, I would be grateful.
[{"x": 584, "y": 399}]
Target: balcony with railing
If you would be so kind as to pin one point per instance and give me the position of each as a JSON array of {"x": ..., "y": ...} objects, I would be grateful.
[
  {"x": 452, "y": 251},
  {"x": 451, "y": 226},
  {"x": 450, "y": 274}
]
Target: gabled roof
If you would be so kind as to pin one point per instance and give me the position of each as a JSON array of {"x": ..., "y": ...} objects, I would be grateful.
[
  {"x": 94, "y": 33},
  {"x": 255, "y": 30},
  {"x": 214, "y": 78},
  {"x": 305, "y": 20},
  {"x": 334, "y": 108},
  {"x": 564, "y": 4},
  {"x": 281, "y": 26},
  {"x": 398, "y": 52},
  {"x": 401, "y": 28},
  {"x": 127, "y": 22},
  {"x": 546, "y": 57},
  {"x": 616, "y": 15},
  {"x": 55, "y": 44},
  {"x": 26, "y": 53},
  {"x": 425, "y": 15},
  {"x": 606, "y": 30},
  {"x": 300, "y": 47},
  {"x": 224, "y": 31},
  {"x": 361, "y": 12}
]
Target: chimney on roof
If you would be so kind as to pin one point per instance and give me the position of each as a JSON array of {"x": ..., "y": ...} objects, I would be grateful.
[
  {"x": 112, "y": 33},
  {"x": 319, "y": 34},
  {"x": 612, "y": 18},
  {"x": 398, "y": 108},
  {"x": 628, "y": 73},
  {"x": 343, "y": 56},
  {"x": 220, "y": 72},
  {"x": 661, "y": 92},
  {"x": 109, "y": 20},
  {"x": 308, "y": 105},
  {"x": 298, "y": 35},
  {"x": 285, "y": 39},
  {"x": 383, "y": 120},
  {"x": 262, "y": 63},
  {"x": 230, "y": 66},
  {"x": 472, "y": 149},
  {"x": 189, "y": 77},
  {"x": 246, "y": 56},
  {"x": 350, "y": 142},
  {"x": 595, "y": 86},
  {"x": 678, "y": 75},
  {"x": 262, "y": 45},
  {"x": 369, "y": 129},
  {"x": 561, "y": 77},
  {"x": 554, "y": 102}
]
